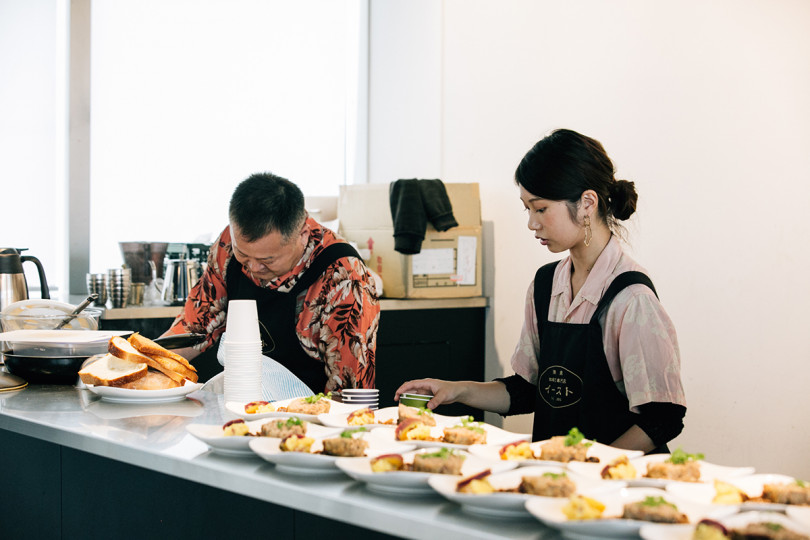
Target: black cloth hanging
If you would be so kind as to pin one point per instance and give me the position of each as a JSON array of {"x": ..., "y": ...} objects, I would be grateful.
[{"x": 414, "y": 202}]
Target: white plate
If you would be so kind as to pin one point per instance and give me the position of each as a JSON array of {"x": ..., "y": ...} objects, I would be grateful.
[
  {"x": 752, "y": 485},
  {"x": 60, "y": 336},
  {"x": 316, "y": 464},
  {"x": 549, "y": 511},
  {"x": 409, "y": 482},
  {"x": 708, "y": 472},
  {"x": 335, "y": 407},
  {"x": 390, "y": 414},
  {"x": 127, "y": 395},
  {"x": 685, "y": 532},
  {"x": 510, "y": 504},
  {"x": 604, "y": 452},
  {"x": 211, "y": 434},
  {"x": 495, "y": 435}
]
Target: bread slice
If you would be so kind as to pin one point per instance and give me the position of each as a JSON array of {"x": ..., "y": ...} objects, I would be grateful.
[
  {"x": 149, "y": 347},
  {"x": 111, "y": 371},
  {"x": 171, "y": 367},
  {"x": 123, "y": 349},
  {"x": 154, "y": 380}
]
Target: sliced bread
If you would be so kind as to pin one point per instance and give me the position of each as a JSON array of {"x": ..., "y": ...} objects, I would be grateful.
[
  {"x": 149, "y": 347},
  {"x": 111, "y": 371},
  {"x": 124, "y": 350},
  {"x": 154, "y": 380}
]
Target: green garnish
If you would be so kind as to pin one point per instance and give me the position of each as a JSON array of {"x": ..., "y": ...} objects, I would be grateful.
[
  {"x": 554, "y": 476},
  {"x": 575, "y": 437},
  {"x": 347, "y": 433},
  {"x": 657, "y": 501},
  {"x": 468, "y": 422},
  {"x": 679, "y": 457},
  {"x": 317, "y": 397},
  {"x": 292, "y": 421},
  {"x": 442, "y": 453},
  {"x": 773, "y": 526},
  {"x": 801, "y": 483},
  {"x": 424, "y": 410}
]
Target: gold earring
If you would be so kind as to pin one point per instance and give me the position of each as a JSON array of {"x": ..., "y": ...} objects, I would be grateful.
[{"x": 588, "y": 233}]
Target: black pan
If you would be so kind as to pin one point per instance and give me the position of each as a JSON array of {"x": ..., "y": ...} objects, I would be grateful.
[{"x": 64, "y": 368}]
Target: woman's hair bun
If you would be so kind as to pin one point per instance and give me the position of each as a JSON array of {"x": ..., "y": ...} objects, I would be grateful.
[{"x": 623, "y": 199}]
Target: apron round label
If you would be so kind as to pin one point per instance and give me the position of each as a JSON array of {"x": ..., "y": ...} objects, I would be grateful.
[{"x": 559, "y": 387}]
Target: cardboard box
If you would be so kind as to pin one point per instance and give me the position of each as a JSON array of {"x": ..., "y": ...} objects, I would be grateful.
[{"x": 449, "y": 264}]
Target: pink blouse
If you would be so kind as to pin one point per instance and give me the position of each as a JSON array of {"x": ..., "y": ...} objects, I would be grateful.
[{"x": 639, "y": 338}]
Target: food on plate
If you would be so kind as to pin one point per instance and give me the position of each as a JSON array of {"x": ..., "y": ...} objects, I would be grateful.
[
  {"x": 548, "y": 485},
  {"x": 443, "y": 461},
  {"x": 346, "y": 445},
  {"x": 565, "y": 448},
  {"x": 138, "y": 364},
  {"x": 282, "y": 428},
  {"x": 296, "y": 443},
  {"x": 412, "y": 429},
  {"x": 519, "y": 450},
  {"x": 477, "y": 484},
  {"x": 708, "y": 529},
  {"x": 468, "y": 432},
  {"x": 679, "y": 466},
  {"x": 580, "y": 507},
  {"x": 258, "y": 407},
  {"x": 797, "y": 492},
  {"x": 655, "y": 509},
  {"x": 387, "y": 462},
  {"x": 726, "y": 493},
  {"x": 317, "y": 404},
  {"x": 235, "y": 428},
  {"x": 360, "y": 417},
  {"x": 619, "y": 469},
  {"x": 425, "y": 416}
]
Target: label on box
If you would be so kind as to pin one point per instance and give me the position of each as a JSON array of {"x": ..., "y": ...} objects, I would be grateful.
[
  {"x": 465, "y": 265},
  {"x": 433, "y": 261}
]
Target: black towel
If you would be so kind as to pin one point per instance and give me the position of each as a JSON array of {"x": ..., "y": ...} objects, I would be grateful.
[{"x": 413, "y": 202}]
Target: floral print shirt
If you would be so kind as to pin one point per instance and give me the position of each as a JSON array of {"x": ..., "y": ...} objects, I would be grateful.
[{"x": 338, "y": 315}]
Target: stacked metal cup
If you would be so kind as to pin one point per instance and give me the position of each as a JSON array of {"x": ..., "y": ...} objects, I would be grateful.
[
  {"x": 97, "y": 284},
  {"x": 119, "y": 282}
]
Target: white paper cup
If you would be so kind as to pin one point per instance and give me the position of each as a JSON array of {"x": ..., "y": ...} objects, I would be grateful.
[{"x": 243, "y": 322}]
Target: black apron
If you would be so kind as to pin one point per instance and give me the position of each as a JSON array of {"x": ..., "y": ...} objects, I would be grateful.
[
  {"x": 574, "y": 386},
  {"x": 277, "y": 314}
]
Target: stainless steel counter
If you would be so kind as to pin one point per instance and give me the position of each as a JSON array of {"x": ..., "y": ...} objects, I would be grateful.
[{"x": 154, "y": 437}]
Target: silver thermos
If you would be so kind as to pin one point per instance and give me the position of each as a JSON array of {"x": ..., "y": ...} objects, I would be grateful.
[{"x": 13, "y": 286}]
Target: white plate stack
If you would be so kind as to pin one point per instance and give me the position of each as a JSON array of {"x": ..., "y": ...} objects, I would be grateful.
[
  {"x": 243, "y": 353},
  {"x": 365, "y": 397}
]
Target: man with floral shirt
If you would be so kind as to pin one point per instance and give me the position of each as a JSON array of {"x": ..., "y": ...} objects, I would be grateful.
[{"x": 316, "y": 300}]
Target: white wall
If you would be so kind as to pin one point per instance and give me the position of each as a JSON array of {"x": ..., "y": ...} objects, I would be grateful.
[{"x": 706, "y": 106}]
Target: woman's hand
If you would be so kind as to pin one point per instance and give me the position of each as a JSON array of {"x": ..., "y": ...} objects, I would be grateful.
[
  {"x": 488, "y": 396},
  {"x": 442, "y": 391}
]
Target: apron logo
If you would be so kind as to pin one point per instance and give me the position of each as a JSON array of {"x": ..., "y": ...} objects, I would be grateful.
[{"x": 559, "y": 387}]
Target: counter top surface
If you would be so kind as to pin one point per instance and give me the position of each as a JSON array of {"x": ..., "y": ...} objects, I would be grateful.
[{"x": 154, "y": 436}]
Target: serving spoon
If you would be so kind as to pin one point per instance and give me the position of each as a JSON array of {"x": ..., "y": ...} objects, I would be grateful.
[{"x": 90, "y": 299}]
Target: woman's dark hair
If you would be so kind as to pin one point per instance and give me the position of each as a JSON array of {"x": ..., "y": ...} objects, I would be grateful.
[
  {"x": 265, "y": 203},
  {"x": 563, "y": 165}
]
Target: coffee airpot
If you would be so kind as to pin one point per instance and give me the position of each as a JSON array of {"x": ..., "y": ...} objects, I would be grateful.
[{"x": 13, "y": 286}]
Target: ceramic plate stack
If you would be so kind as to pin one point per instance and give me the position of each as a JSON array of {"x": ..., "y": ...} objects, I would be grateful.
[
  {"x": 363, "y": 397},
  {"x": 243, "y": 353}
]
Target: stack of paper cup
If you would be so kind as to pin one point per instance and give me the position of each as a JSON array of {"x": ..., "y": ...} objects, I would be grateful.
[
  {"x": 363, "y": 397},
  {"x": 243, "y": 353}
]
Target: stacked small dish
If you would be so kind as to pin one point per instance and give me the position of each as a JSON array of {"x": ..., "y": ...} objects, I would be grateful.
[{"x": 365, "y": 397}]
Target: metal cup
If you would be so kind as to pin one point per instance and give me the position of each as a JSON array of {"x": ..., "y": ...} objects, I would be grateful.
[{"x": 97, "y": 284}]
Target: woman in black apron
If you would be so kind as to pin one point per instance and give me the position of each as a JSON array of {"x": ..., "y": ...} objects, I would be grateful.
[{"x": 597, "y": 350}]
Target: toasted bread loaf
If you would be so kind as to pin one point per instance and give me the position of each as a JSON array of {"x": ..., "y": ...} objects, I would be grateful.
[
  {"x": 154, "y": 380},
  {"x": 111, "y": 371},
  {"x": 149, "y": 347}
]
